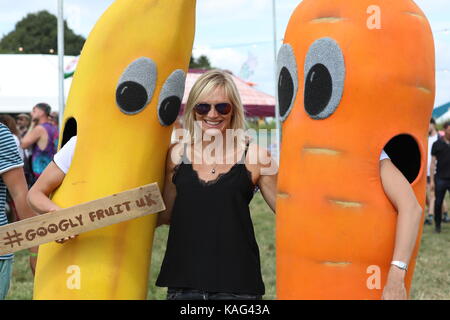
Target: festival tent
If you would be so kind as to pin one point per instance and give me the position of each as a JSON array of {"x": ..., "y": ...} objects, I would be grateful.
[
  {"x": 442, "y": 113},
  {"x": 27, "y": 79},
  {"x": 256, "y": 103}
]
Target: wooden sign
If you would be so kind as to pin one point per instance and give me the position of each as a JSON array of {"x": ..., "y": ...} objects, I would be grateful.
[{"x": 78, "y": 219}]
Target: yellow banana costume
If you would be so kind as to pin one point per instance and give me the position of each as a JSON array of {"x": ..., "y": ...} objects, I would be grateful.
[{"x": 125, "y": 95}]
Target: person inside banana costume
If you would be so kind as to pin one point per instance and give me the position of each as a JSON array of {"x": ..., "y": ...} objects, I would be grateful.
[{"x": 125, "y": 95}]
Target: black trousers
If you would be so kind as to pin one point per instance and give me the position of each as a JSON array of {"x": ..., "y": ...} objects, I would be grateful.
[
  {"x": 192, "y": 294},
  {"x": 440, "y": 187}
]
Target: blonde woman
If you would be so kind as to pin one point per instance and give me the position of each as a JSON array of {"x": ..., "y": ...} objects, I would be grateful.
[{"x": 210, "y": 180}]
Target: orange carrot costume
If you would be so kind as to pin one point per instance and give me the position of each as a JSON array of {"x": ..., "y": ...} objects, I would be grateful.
[{"x": 355, "y": 77}]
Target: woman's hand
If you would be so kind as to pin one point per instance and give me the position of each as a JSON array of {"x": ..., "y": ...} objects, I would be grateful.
[
  {"x": 395, "y": 285},
  {"x": 63, "y": 240}
]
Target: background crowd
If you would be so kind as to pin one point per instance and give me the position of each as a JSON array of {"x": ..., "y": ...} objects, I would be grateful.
[
  {"x": 36, "y": 137},
  {"x": 438, "y": 177}
]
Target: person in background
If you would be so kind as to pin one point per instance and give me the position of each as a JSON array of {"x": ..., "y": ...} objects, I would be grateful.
[
  {"x": 9, "y": 121},
  {"x": 23, "y": 123},
  {"x": 54, "y": 118},
  {"x": 43, "y": 137},
  {"x": 440, "y": 173},
  {"x": 13, "y": 179},
  {"x": 433, "y": 135}
]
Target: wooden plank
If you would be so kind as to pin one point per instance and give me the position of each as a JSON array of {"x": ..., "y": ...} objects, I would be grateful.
[{"x": 81, "y": 218}]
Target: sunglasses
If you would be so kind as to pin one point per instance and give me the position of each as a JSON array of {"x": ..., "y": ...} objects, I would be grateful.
[{"x": 204, "y": 108}]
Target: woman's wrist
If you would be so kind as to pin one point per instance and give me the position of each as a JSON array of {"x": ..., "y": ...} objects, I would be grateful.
[{"x": 396, "y": 274}]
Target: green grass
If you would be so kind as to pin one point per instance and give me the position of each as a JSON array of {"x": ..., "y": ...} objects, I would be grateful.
[{"x": 431, "y": 277}]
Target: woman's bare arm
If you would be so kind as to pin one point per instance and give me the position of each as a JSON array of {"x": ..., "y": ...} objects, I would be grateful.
[
  {"x": 268, "y": 174},
  {"x": 18, "y": 189},
  {"x": 400, "y": 193},
  {"x": 39, "y": 194},
  {"x": 169, "y": 191}
]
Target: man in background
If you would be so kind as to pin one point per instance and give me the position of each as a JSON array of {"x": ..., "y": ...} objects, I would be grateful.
[
  {"x": 42, "y": 137},
  {"x": 440, "y": 173},
  {"x": 433, "y": 135}
]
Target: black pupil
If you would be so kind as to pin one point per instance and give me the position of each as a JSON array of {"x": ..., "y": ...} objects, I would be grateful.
[
  {"x": 318, "y": 89},
  {"x": 285, "y": 91},
  {"x": 131, "y": 97},
  {"x": 168, "y": 111}
]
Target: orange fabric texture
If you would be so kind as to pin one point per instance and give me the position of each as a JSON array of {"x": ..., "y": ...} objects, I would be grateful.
[{"x": 335, "y": 225}]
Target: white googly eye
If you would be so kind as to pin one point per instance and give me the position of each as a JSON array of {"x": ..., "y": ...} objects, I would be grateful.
[
  {"x": 287, "y": 80},
  {"x": 324, "y": 78},
  {"x": 136, "y": 86}
]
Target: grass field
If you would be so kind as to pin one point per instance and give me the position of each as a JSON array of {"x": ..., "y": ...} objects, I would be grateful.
[{"x": 431, "y": 278}]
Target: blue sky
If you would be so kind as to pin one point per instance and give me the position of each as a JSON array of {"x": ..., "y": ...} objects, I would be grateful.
[{"x": 232, "y": 32}]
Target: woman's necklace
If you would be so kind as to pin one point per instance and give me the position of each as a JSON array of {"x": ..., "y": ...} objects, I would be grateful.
[{"x": 213, "y": 170}]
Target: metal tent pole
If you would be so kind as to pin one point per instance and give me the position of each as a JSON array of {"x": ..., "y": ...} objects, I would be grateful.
[{"x": 61, "y": 61}]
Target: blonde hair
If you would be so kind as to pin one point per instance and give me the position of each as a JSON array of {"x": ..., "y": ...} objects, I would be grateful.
[{"x": 206, "y": 84}]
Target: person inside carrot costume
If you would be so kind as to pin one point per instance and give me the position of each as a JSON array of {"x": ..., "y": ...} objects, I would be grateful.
[{"x": 352, "y": 82}]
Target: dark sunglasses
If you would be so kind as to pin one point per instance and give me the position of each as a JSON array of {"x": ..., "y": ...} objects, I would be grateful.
[{"x": 222, "y": 108}]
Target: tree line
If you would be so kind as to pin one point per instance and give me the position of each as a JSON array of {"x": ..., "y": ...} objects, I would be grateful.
[{"x": 37, "y": 33}]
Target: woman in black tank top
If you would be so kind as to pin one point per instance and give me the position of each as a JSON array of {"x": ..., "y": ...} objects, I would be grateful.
[{"x": 211, "y": 249}]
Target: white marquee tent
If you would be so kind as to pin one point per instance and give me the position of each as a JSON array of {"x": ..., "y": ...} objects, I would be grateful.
[{"x": 27, "y": 79}]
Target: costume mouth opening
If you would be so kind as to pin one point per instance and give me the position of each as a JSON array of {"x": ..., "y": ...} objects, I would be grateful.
[
  {"x": 70, "y": 130},
  {"x": 404, "y": 153}
]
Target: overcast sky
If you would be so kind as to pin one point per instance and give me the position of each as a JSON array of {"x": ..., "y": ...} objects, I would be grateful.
[{"x": 233, "y": 32}]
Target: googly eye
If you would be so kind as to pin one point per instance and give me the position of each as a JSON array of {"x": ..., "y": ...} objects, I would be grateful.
[
  {"x": 287, "y": 80},
  {"x": 324, "y": 78},
  {"x": 136, "y": 86},
  {"x": 170, "y": 98}
]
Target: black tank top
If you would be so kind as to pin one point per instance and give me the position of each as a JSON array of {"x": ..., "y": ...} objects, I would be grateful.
[{"x": 211, "y": 244}]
